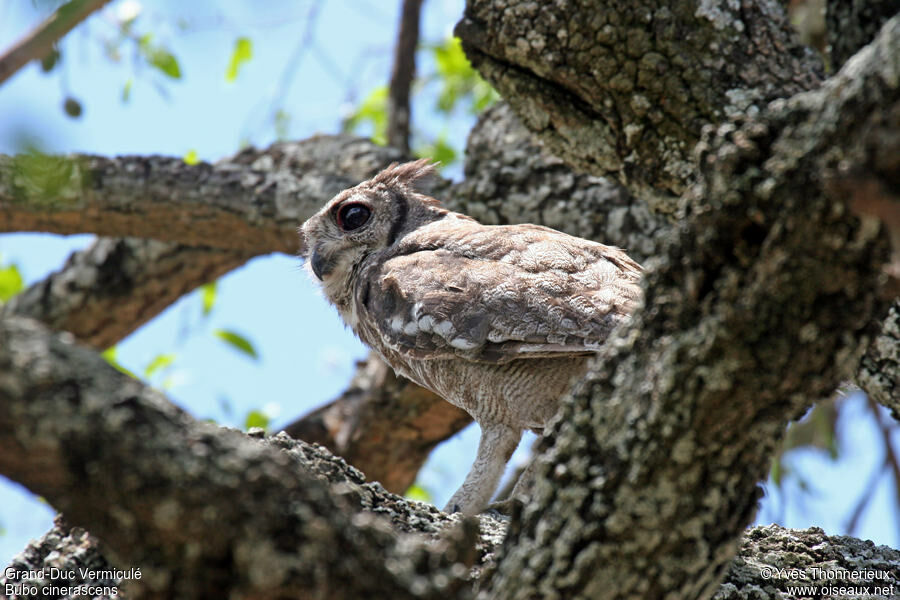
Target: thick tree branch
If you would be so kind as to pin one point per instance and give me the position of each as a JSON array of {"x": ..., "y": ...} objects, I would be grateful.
[
  {"x": 760, "y": 306},
  {"x": 107, "y": 291},
  {"x": 772, "y": 559},
  {"x": 764, "y": 551},
  {"x": 879, "y": 370},
  {"x": 624, "y": 89},
  {"x": 257, "y": 197},
  {"x": 157, "y": 487},
  {"x": 37, "y": 44},
  {"x": 398, "y": 110},
  {"x": 510, "y": 179},
  {"x": 202, "y": 511},
  {"x": 253, "y": 202}
]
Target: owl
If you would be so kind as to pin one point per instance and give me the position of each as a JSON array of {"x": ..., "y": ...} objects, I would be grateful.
[{"x": 497, "y": 320}]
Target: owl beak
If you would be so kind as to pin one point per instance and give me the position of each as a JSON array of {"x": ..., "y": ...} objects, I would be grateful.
[{"x": 319, "y": 265}]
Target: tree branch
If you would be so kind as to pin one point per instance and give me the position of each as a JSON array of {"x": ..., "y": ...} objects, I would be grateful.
[
  {"x": 758, "y": 307},
  {"x": 257, "y": 197},
  {"x": 758, "y": 303},
  {"x": 625, "y": 90},
  {"x": 37, "y": 44},
  {"x": 116, "y": 458},
  {"x": 253, "y": 202},
  {"x": 398, "y": 108},
  {"x": 156, "y": 487},
  {"x": 107, "y": 291},
  {"x": 771, "y": 558},
  {"x": 879, "y": 370},
  {"x": 764, "y": 549}
]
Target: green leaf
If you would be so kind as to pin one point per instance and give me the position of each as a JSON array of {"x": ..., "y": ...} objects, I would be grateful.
[
  {"x": 109, "y": 355},
  {"x": 190, "y": 157},
  {"x": 11, "y": 282},
  {"x": 243, "y": 52},
  {"x": 417, "y": 492},
  {"x": 237, "y": 341},
  {"x": 484, "y": 96},
  {"x": 777, "y": 471},
  {"x": 72, "y": 107},
  {"x": 160, "y": 58},
  {"x": 126, "y": 89},
  {"x": 43, "y": 179},
  {"x": 160, "y": 361},
  {"x": 50, "y": 60},
  {"x": 451, "y": 60},
  {"x": 459, "y": 81},
  {"x": 372, "y": 111},
  {"x": 256, "y": 418},
  {"x": 208, "y": 296},
  {"x": 440, "y": 151}
]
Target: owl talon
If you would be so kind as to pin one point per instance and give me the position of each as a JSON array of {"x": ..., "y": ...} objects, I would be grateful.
[{"x": 505, "y": 507}]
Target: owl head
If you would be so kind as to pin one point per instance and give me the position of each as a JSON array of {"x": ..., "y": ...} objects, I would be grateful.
[{"x": 365, "y": 219}]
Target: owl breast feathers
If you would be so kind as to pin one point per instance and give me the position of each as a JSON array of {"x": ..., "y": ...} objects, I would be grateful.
[{"x": 470, "y": 311}]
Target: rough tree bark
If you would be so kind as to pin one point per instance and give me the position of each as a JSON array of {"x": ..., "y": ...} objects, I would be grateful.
[
  {"x": 760, "y": 299},
  {"x": 110, "y": 289},
  {"x": 881, "y": 363},
  {"x": 257, "y": 196},
  {"x": 157, "y": 486},
  {"x": 624, "y": 88}
]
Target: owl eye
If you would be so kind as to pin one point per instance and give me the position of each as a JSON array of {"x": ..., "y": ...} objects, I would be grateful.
[{"x": 353, "y": 216}]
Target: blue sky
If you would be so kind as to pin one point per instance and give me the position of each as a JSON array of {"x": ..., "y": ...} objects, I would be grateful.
[{"x": 306, "y": 355}]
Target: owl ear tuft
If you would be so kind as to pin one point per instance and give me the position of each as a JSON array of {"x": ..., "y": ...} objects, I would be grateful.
[{"x": 411, "y": 175}]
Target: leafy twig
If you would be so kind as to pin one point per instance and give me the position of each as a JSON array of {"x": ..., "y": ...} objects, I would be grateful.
[{"x": 39, "y": 41}]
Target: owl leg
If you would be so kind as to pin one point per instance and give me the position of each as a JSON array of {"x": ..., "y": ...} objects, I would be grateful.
[
  {"x": 497, "y": 444},
  {"x": 522, "y": 490}
]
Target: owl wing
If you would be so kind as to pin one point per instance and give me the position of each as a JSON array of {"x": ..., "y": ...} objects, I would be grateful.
[{"x": 499, "y": 293}]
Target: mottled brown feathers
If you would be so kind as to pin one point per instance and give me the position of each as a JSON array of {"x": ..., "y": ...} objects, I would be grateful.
[{"x": 495, "y": 319}]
